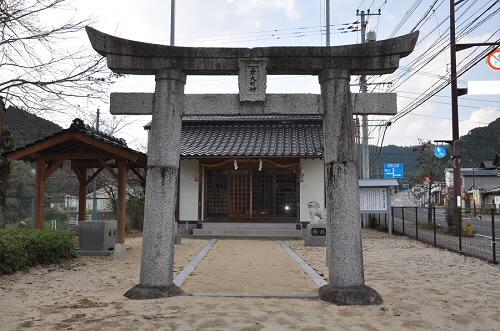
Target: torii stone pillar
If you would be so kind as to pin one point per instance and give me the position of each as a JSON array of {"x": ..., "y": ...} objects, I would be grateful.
[
  {"x": 157, "y": 263},
  {"x": 345, "y": 255}
]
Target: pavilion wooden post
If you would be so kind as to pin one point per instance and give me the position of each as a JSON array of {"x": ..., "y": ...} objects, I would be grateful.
[
  {"x": 81, "y": 173},
  {"x": 122, "y": 200},
  {"x": 40, "y": 193}
]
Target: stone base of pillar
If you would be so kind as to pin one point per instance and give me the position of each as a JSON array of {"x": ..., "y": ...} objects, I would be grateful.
[
  {"x": 119, "y": 251},
  {"x": 348, "y": 296},
  {"x": 139, "y": 292}
]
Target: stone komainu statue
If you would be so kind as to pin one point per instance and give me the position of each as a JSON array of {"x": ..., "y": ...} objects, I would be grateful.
[{"x": 316, "y": 214}]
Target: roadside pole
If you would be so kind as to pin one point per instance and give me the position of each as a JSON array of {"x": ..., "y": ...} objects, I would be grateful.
[
  {"x": 455, "y": 204},
  {"x": 363, "y": 88},
  {"x": 94, "y": 182}
]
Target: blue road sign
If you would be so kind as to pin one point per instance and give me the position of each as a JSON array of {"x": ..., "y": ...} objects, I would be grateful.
[
  {"x": 394, "y": 170},
  {"x": 440, "y": 152}
]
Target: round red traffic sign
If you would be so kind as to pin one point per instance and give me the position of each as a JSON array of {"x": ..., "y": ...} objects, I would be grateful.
[{"x": 494, "y": 60}]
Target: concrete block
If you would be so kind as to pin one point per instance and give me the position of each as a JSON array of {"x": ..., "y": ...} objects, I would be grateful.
[
  {"x": 316, "y": 235},
  {"x": 96, "y": 236}
]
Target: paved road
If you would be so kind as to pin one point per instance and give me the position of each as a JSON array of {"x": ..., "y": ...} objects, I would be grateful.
[
  {"x": 404, "y": 199},
  {"x": 480, "y": 225}
]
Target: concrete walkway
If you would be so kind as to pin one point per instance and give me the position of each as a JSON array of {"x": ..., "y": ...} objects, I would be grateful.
[{"x": 249, "y": 267}]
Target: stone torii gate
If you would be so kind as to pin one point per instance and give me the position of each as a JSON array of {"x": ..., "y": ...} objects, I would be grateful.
[{"x": 334, "y": 66}]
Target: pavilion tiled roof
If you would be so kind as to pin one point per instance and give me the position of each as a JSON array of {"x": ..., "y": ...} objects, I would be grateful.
[
  {"x": 267, "y": 136},
  {"x": 79, "y": 126}
]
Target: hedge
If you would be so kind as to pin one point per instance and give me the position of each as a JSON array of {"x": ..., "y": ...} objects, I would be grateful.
[{"x": 24, "y": 248}]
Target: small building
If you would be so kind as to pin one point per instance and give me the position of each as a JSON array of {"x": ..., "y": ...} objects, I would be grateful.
[
  {"x": 484, "y": 179},
  {"x": 478, "y": 184},
  {"x": 253, "y": 169},
  {"x": 491, "y": 198}
]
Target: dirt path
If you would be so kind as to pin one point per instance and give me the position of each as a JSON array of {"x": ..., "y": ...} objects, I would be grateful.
[
  {"x": 423, "y": 289},
  {"x": 249, "y": 267},
  {"x": 62, "y": 295}
]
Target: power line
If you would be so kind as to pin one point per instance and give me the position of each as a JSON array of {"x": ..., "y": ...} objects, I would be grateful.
[
  {"x": 429, "y": 54},
  {"x": 259, "y": 34},
  {"x": 449, "y": 97},
  {"x": 447, "y": 118}
]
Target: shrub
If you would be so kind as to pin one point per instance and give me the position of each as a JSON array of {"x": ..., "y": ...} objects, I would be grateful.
[{"x": 24, "y": 248}]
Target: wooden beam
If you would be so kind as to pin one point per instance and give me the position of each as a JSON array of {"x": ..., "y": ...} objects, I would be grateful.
[
  {"x": 122, "y": 200},
  {"x": 52, "y": 167},
  {"x": 138, "y": 174},
  {"x": 40, "y": 194},
  {"x": 91, "y": 164},
  {"x": 44, "y": 144},
  {"x": 77, "y": 156},
  {"x": 94, "y": 175},
  {"x": 108, "y": 168},
  {"x": 81, "y": 173}
]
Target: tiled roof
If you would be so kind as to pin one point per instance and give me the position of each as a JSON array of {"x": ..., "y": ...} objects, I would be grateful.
[
  {"x": 79, "y": 126},
  {"x": 252, "y": 136}
]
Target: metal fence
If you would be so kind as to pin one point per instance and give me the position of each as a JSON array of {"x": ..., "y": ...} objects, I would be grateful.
[
  {"x": 62, "y": 213},
  {"x": 475, "y": 235}
]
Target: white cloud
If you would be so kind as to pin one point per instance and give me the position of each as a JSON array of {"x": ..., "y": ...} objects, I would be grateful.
[
  {"x": 481, "y": 117},
  {"x": 290, "y": 6}
]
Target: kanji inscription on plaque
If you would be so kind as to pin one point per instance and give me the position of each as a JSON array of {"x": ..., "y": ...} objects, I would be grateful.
[{"x": 252, "y": 79}]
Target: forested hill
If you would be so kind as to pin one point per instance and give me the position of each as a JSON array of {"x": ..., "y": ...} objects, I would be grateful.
[
  {"x": 392, "y": 154},
  {"x": 26, "y": 127},
  {"x": 481, "y": 143}
]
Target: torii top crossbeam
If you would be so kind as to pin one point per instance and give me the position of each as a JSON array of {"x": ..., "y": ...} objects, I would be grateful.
[{"x": 133, "y": 57}]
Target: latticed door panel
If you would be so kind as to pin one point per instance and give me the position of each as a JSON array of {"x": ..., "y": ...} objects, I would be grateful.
[
  {"x": 217, "y": 194},
  {"x": 262, "y": 195},
  {"x": 240, "y": 194},
  {"x": 286, "y": 194}
]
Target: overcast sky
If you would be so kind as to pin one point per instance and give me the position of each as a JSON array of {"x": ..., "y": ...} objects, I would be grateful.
[{"x": 252, "y": 23}]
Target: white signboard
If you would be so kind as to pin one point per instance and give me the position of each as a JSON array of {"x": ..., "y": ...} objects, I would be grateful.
[
  {"x": 483, "y": 87},
  {"x": 373, "y": 199},
  {"x": 497, "y": 200}
]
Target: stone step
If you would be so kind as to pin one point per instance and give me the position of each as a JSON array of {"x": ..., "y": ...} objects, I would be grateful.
[
  {"x": 225, "y": 225},
  {"x": 248, "y": 233}
]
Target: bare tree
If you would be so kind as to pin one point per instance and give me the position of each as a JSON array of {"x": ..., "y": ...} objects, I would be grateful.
[
  {"x": 42, "y": 68},
  {"x": 110, "y": 124},
  {"x": 39, "y": 69}
]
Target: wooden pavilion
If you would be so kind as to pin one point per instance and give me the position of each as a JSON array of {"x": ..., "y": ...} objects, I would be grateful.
[{"x": 90, "y": 152}]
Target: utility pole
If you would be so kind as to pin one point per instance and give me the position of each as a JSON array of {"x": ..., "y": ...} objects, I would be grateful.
[
  {"x": 94, "y": 184},
  {"x": 454, "y": 218},
  {"x": 327, "y": 9},
  {"x": 365, "y": 173},
  {"x": 172, "y": 22}
]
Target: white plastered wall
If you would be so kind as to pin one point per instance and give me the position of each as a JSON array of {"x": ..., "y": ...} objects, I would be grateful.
[
  {"x": 311, "y": 185},
  {"x": 188, "y": 190}
]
